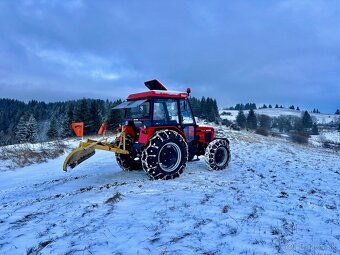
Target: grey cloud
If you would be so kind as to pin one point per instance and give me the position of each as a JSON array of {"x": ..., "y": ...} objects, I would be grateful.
[{"x": 262, "y": 51}]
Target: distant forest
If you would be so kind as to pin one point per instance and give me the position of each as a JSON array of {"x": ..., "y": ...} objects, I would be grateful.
[
  {"x": 35, "y": 121},
  {"x": 39, "y": 121}
]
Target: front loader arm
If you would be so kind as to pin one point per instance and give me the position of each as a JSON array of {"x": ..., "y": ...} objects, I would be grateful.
[{"x": 87, "y": 149}]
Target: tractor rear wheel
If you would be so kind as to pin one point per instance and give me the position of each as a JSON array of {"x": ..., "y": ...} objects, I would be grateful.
[
  {"x": 217, "y": 154},
  {"x": 165, "y": 155},
  {"x": 128, "y": 162}
]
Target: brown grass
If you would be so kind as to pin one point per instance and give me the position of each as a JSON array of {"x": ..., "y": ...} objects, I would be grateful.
[{"x": 26, "y": 154}]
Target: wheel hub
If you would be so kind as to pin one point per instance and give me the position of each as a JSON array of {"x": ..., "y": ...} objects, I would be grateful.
[
  {"x": 169, "y": 157},
  {"x": 221, "y": 156}
]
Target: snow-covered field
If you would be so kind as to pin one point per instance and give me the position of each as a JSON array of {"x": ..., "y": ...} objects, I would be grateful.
[
  {"x": 321, "y": 118},
  {"x": 275, "y": 197}
]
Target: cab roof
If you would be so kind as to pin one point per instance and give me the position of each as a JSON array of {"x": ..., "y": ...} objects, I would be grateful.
[{"x": 158, "y": 93}]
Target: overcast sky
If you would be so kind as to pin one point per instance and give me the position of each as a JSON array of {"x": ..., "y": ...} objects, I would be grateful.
[{"x": 263, "y": 51}]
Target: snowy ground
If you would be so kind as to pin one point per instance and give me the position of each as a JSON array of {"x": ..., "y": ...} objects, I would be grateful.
[
  {"x": 319, "y": 140},
  {"x": 275, "y": 197}
]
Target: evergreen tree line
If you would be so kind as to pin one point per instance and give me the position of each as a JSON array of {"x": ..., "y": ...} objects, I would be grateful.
[
  {"x": 284, "y": 123},
  {"x": 247, "y": 106},
  {"x": 205, "y": 108},
  {"x": 39, "y": 121},
  {"x": 252, "y": 106}
]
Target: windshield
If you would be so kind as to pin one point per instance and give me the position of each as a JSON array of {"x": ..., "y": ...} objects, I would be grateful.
[{"x": 141, "y": 111}]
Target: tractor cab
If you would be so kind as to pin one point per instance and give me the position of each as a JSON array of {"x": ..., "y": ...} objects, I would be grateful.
[{"x": 158, "y": 109}]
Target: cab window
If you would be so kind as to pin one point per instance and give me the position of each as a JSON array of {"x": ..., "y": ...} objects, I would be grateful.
[
  {"x": 186, "y": 114},
  {"x": 165, "y": 112},
  {"x": 141, "y": 111}
]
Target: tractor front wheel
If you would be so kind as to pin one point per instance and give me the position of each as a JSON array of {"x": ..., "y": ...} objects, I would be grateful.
[
  {"x": 128, "y": 162},
  {"x": 217, "y": 154},
  {"x": 165, "y": 155}
]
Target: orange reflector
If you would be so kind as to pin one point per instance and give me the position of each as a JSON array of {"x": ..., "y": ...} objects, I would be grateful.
[
  {"x": 102, "y": 129},
  {"x": 78, "y": 128}
]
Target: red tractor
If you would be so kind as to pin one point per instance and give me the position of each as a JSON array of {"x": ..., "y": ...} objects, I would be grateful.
[{"x": 160, "y": 135}]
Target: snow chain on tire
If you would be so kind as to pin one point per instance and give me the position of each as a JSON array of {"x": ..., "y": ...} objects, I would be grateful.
[
  {"x": 217, "y": 154},
  {"x": 165, "y": 155},
  {"x": 126, "y": 161}
]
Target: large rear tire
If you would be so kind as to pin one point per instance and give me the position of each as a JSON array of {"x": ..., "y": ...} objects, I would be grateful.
[
  {"x": 165, "y": 155},
  {"x": 217, "y": 154},
  {"x": 128, "y": 162}
]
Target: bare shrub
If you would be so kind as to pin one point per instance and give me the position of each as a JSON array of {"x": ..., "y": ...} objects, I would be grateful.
[
  {"x": 331, "y": 145},
  {"x": 226, "y": 209},
  {"x": 276, "y": 134},
  {"x": 265, "y": 121},
  {"x": 300, "y": 137},
  {"x": 328, "y": 144},
  {"x": 262, "y": 131},
  {"x": 226, "y": 122},
  {"x": 114, "y": 199},
  {"x": 26, "y": 154},
  {"x": 234, "y": 127}
]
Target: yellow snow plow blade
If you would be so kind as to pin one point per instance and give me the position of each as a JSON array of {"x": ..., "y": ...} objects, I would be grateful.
[{"x": 88, "y": 148}]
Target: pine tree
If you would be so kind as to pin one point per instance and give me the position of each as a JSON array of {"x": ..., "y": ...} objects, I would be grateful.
[
  {"x": 82, "y": 114},
  {"x": 315, "y": 130},
  {"x": 264, "y": 121},
  {"x": 215, "y": 111},
  {"x": 195, "y": 106},
  {"x": 264, "y": 106},
  {"x": 298, "y": 108},
  {"x": 65, "y": 127},
  {"x": 211, "y": 116},
  {"x": 249, "y": 106},
  {"x": 276, "y": 106},
  {"x": 337, "y": 112},
  {"x": 31, "y": 130},
  {"x": 307, "y": 121},
  {"x": 203, "y": 108},
  {"x": 270, "y": 106},
  {"x": 292, "y": 107},
  {"x": 241, "y": 119},
  {"x": 70, "y": 115},
  {"x": 52, "y": 132},
  {"x": 21, "y": 129},
  {"x": 114, "y": 117},
  {"x": 95, "y": 117},
  {"x": 297, "y": 124},
  {"x": 251, "y": 120}
]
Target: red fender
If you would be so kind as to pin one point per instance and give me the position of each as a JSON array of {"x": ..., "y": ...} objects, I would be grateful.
[{"x": 146, "y": 133}]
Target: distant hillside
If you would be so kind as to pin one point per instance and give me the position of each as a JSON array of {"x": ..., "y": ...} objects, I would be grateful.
[{"x": 321, "y": 118}]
